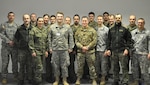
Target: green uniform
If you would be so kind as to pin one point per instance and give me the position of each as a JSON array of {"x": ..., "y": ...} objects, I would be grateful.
[
  {"x": 38, "y": 43},
  {"x": 7, "y": 32},
  {"x": 86, "y": 37},
  {"x": 130, "y": 28},
  {"x": 60, "y": 40},
  {"x": 93, "y": 24}
]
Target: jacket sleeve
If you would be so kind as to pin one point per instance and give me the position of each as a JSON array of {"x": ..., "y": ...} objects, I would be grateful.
[
  {"x": 108, "y": 42},
  {"x": 71, "y": 40},
  {"x": 50, "y": 39},
  {"x": 3, "y": 33},
  {"x": 128, "y": 40},
  {"x": 31, "y": 41}
]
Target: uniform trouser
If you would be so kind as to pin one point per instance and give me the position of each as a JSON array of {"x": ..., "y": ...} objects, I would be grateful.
[
  {"x": 60, "y": 62},
  {"x": 101, "y": 63},
  {"x": 124, "y": 60},
  {"x": 90, "y": 59},
  {"x": 140, "y": 67},
  {"x": 37, "y": 68},
  {"x": 6, "y": 52},
  {"x": 71, "y": 68},
  {"x": 25, "y": 61}
]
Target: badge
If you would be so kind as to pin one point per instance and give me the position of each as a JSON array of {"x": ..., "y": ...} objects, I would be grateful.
[{"x": 58, "y": 34}]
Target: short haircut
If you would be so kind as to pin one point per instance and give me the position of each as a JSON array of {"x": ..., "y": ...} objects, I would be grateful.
[
  {"x": 85, "y": 17},
  {"x": 99, "y": 16},
  {"x": 106, "y": 13},
  {"x": 11, "y": 13},
  {"x": 46, "y": 15},
  {"x": 60, "y": 13},
  {"x": 76, "y": 15},
  {"x": 92, "y": 13},
  {"x": 52, "y": 16},
  {"x": 39, "y": 18},
  {"x": 112, "y": 15},
  {"x": 142, "y": 19}
]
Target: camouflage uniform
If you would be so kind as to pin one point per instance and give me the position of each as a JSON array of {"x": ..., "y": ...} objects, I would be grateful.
[
  {"x": 60, "y": 40},
  {"x": 93, "y": 24},
  {"x": 130, "y": 28},
  {"x": 7, "y": 32},
  {"x": 101, "y": 60},
  {"x": 38, "y": 43},
  {"x": 24, "y": 55},
  {"x": 86, "y": 37},
  {"x": 140, "y": 62}
]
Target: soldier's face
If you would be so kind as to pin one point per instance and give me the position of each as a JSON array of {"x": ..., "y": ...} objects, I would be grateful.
[
  {"x": 60, "y": 18},
  {"x": 46, "y": 19},
  {"x": 132, "y": 19},
  {"x": 26, "y": 19},
  {"x": 106, "y": 17},
  {"x": 85, "y": 22},
  {"x": 52, "y": 20},
  {"x": 111, "y": 20},
  {"x": 68, "y": 21},
  {"x": 40, "y": 22},
  {"x": 141, "y": 24},
  {"x": 91, "y": 17},
  {"x": 11, "y": 17},
  {"x": 100, "y": 20},
  {"x": 33, "y": 18},
  {"x": 118, "y": 18},
  {"x": 76, "y": 20}
]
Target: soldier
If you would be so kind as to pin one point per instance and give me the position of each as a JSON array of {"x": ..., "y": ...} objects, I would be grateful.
[
  {"x": 24, "y": 55},
  {"x": 33, "y": 17},
  {"x": 118, "y": 45},
  {"x": 52, "y": 19},
  {"x": 106, "y": 18},
  {"x": 101, "y": 60},
  {"x": 92, "y": 22},
  {"x": 38, "y": 44},
  {"x": 71, "y": 68},
  {"x": 86, "y": 39},
  {"x": 141, "y": 54},
  {"x": 60, "y": 44},
  {"x": 110, "y": 25},
  {"x": 68, "y": 20},
  {"x": 132, "y": 25},
  {"x": 7, "y": 32}
]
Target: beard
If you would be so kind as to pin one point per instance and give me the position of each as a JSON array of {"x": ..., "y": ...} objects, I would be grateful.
[{"x": 76, "y": 23}]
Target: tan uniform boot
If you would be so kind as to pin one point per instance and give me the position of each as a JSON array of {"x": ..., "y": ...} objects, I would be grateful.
[
  {"x": 56, "y": 81},
  {"x": 65, "y": 81},
  {"x": 94, "y": 82},
  {"x": 103, "y": 82},
  {"x": 77, "y": 81},
  {"x": 135, "y": 83},
  {"x": 4, "y": 81}
]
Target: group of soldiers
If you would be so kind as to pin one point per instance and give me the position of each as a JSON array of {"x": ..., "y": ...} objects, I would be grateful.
[{"x": 98, "y": 45}]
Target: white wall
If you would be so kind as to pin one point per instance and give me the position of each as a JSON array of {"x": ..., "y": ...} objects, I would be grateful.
[{"x": 140, "y": 8}]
